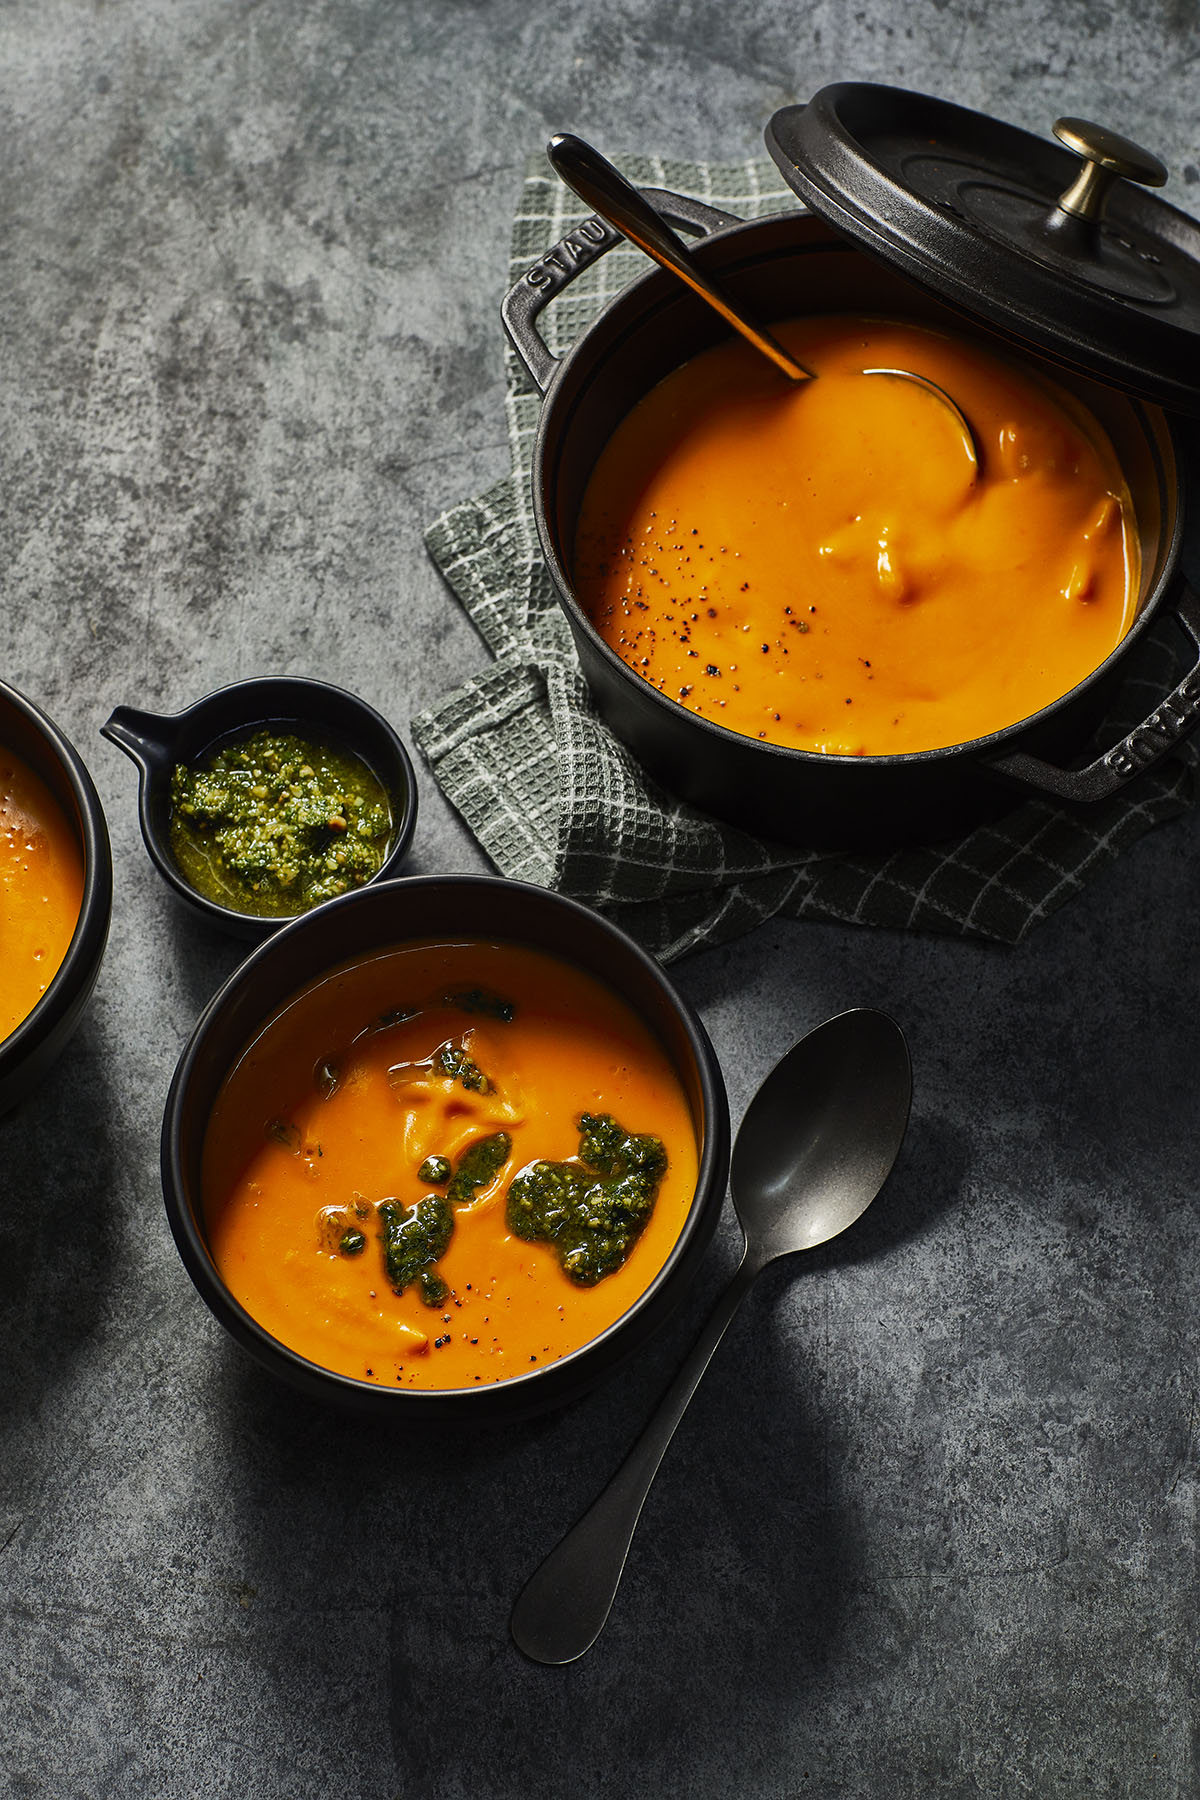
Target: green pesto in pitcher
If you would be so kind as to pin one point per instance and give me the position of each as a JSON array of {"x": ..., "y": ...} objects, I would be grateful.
[{"x": 273, "y": 823}]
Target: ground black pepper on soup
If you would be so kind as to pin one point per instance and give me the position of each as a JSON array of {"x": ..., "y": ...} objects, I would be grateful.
[{"x": 819, "y": 564}]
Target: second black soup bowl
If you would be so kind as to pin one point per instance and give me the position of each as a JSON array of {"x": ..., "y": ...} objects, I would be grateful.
[
  {"x": 28, "y": 1051},
  {"x": 445, "y": 909}
]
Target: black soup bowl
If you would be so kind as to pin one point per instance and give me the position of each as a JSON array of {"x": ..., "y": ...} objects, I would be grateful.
[
  {"x": 444, "y": 909},
  {"x": 315, "y": 710},
  {"x": 28, "y": 1051}
]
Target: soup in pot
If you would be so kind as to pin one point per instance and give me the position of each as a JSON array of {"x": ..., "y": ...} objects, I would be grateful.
[{"x": 822, "y": 564}]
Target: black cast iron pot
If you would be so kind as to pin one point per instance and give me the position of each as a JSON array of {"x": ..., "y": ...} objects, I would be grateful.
[
  {"x": 28, "y": 1051},
  {"x": 779, "y": 267},
  {"x": 379, "y": 917}
]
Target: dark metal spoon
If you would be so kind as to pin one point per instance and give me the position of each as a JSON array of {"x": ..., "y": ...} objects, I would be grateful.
[
  {"x": 606, "y": 190},
  {"x": 816, "y": 1145}
]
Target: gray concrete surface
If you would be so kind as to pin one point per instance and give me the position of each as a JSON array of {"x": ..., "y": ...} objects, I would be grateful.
[{"x": 930, "y": 1526}]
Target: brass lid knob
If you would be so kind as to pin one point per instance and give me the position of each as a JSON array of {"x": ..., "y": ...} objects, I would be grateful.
[{"x": 1107, "y": 156}]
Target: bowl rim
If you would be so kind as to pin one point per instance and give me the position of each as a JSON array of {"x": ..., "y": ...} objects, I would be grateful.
[
  {"x": 292, "y": 692},
  {"x": 76, "y": 974},
  {"x": 541, "y": 1385}
]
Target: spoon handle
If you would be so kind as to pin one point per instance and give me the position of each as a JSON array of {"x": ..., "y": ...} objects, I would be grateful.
[
  {"x": 602, "y": 187},
  {"x": 562, "y": 1608}
]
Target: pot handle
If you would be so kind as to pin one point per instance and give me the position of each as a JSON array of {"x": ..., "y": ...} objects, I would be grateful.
[
  {"x": 1172, "y": 720},
  {"x": 554, "y": 271}
]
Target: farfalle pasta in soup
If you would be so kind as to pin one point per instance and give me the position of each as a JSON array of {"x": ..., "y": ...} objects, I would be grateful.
[{"x": 447, "y": 1164}]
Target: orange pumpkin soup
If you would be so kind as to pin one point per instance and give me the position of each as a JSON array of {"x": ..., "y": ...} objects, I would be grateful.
[
  {"x": 820, "y": 565},
  {"x": 371, "y": 1159},
  {"x": 41, "y": 888}
]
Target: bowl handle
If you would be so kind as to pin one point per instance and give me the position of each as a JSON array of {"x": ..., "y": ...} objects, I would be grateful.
[
  {"x": 1172, "y": 720},
  {"x": 147, "y": 738},
  {"x": 554, "y": 271}
]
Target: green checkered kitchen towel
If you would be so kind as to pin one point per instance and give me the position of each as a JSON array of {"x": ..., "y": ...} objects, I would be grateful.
[{"x": 555, "y": 799}]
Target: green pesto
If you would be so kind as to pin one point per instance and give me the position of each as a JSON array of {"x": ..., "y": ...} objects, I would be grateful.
[
  {"x": 482, "y": 1000},
  {"x": 413, "y": 1239},
  {"x": 352, "y": 1242},
  {"x": 434, "y": 1171},
  {"x": 452, "y": 1060},
  {"x": 285, "y": 1132},
  {"x": 478, "y": 1166},
  {"x": 273, "y": 823},
  {"x": 594, "y": 1209},
  {"x": 607, "y": 1148}
]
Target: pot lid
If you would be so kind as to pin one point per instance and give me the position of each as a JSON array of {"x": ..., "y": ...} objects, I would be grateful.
[{"x": 1055, "y": 245}]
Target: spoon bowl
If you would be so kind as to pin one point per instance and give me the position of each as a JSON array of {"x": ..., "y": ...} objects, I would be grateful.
[
  {"x": 821, "y": 1134},
  {"x": 814, "y": 1148}
]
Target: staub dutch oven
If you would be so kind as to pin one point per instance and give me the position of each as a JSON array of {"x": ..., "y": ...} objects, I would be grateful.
[{"x": 911, "y": 207}]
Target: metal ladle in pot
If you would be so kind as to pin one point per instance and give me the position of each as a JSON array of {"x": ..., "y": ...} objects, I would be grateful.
[{"x": 603, "y": 188}]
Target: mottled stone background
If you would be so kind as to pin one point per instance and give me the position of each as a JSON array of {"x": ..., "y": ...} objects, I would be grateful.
[{"x": 929, "y": 1528}]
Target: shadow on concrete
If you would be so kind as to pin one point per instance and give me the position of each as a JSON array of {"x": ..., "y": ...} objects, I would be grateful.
[
  {"x": 203, "y": 955},
  {"x": 58, "y": 1242},
  {"x": 740, "y": 1581},
  {"x": 733, "y": 1599}
]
